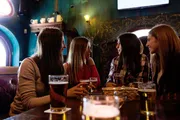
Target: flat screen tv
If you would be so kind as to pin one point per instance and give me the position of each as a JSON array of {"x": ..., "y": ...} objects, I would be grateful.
[{"x": 132, "y": 4}]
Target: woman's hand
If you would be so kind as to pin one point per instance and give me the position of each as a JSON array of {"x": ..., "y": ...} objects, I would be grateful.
[
  {"x": 111, "y": 84},
  {"x": 78, "y": 90},
  {"x": 91, "y": 86}
]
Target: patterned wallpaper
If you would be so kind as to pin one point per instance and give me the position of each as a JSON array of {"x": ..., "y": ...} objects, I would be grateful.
[{"x": 110, "y": 29}]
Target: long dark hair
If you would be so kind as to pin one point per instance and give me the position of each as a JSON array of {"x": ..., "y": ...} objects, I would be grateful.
[
  {"x": 49, "y": 56},
  {"x": 130, "y": 55}
]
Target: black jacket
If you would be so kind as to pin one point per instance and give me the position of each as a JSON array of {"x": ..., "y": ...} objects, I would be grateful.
[{"x": 169, "y": 83}]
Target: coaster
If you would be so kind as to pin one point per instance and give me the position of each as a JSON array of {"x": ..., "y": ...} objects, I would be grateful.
[{"x": 49, "y": 111}]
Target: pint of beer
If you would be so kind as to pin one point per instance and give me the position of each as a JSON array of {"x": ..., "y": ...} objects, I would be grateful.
[
  {"x": 85, "y": 85},
  {"x": 58, "y": 92},
  {"x": 93, "y": 81},
  {"x": 118, "y": 78},
  {"x": 147, "y": 93},
  {"x": 100, "y": 107}
]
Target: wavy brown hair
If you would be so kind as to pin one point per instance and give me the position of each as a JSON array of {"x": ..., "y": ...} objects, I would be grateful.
[{"x": 169, "y": 45}]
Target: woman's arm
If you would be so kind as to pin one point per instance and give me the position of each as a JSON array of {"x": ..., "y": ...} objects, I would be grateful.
[
  {"x": 113, "y": 68},
  {"x": 27, "y": 86},
  {"x": 75, "y": 91},
  {"x": 110, "y": 82}
]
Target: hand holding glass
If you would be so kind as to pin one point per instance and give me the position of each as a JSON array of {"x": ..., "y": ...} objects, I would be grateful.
[
  {"x": 86, "y": 83},
  {"x": 93, "y": 83}
]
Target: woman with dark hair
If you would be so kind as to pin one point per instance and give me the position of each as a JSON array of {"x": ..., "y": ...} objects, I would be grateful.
[
  {"x": 33, "y": 87},
  {"x": 130, "y": 62},
  {"x": 80, "y": 66},
  {"x": 164, "y": 46}
]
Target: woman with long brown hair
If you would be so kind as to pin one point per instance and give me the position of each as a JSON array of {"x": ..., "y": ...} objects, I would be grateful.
[
  {"x": 164, "y": 46},
  {"x": 33, "y": 87}
]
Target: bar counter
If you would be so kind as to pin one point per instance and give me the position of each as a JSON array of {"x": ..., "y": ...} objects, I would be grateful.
[{"x": 165, "y": 110}]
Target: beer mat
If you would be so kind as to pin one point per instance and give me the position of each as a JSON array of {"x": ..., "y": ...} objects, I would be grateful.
[{"x": 49, "y": 111}]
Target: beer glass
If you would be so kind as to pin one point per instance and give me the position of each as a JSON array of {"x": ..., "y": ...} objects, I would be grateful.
[
  {"x": 100, "y": 107},
  {"x": 147, "y": 92},
  {"x": 136, "y": 84},
  {"x": 118, "y": 78},
  {"x": 85, "y": 85},
  {"x": 93, "y": 81},
  {"x": 58, "y": 92}
]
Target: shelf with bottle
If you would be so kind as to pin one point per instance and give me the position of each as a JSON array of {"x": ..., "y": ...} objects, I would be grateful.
[{"x": 37, "y": 27}]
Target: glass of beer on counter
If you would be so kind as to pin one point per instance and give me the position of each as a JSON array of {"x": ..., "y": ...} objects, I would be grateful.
[
  {"x": 58, "y": 92},
  {"x": 147, "y": 93},
  {"x": 100, "y": 107}
]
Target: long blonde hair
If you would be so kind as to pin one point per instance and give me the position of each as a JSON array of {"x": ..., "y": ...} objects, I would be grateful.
[
  {"x": 169, "y": 45},
  {"x": 76, "y": 57}
]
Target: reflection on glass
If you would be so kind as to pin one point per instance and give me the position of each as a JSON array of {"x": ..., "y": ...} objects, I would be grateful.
[
  {"x": 58, "y": 116},
  {"x": 100, "y": 107},
  {"x": 147, "y": 92}
]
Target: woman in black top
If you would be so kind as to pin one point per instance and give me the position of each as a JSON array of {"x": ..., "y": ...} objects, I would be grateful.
[{"x": 164, "y": 46}]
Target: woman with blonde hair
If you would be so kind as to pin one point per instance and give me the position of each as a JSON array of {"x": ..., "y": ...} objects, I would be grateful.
[
  {"x": 80, "y": 66},
  {"x": 164, "y": 45}
]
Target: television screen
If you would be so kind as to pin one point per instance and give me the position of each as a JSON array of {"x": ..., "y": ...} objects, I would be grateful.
[{"x": 131, "y": 4}]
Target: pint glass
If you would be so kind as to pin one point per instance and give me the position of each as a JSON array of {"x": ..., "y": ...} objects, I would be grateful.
[
  {"x": 100, "y": 107},
  {"x": 85, "y": 85},
  {"x": 147, "y": 93},
  {"x": 93, "y": 81},
  {"x": 58, "y": 92},
  {"x": 118, "y": 78}
]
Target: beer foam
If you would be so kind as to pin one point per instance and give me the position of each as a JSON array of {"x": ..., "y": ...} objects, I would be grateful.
[
  {"x": 147, "y": 90},
  {"x": 92, "y": 80},
  {"x": 82, "y": 81},
  {"x": 58, "y": 83},
  {"x": 100, "y": 111}
]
